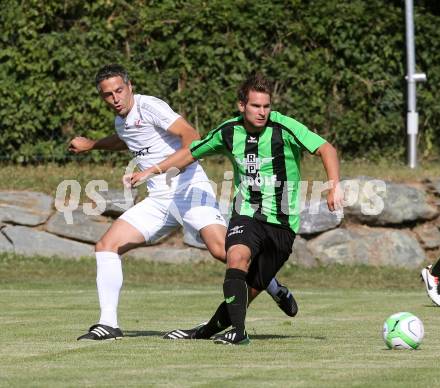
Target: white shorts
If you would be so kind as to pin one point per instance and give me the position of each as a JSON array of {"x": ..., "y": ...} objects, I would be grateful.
[{"x": 194, "y": 207}]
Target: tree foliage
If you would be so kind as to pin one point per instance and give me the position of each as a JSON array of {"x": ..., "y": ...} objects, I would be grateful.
[{"x": 338, "y": 67}]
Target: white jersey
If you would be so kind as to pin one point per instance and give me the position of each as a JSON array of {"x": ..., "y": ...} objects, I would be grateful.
[{"x": 144, "y": 131}]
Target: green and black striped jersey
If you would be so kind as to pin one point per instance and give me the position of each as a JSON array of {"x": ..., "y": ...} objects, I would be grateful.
[{"x": 267, "y": 171}]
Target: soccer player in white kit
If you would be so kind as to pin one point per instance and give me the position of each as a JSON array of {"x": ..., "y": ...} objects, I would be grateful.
[{"x": 152, "y": 131}]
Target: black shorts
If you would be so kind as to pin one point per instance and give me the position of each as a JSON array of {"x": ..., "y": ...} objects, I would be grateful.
[{"x": 270, "y": 247}]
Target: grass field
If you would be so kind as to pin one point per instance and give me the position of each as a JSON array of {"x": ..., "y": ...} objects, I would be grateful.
[{"x": 335, "y": 341}]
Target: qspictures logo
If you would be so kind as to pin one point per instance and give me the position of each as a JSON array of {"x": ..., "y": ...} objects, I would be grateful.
[{"x": 368, "y": 195}]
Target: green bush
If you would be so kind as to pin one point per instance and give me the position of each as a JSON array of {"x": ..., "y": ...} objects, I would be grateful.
[{"x": 339, "y": 67}]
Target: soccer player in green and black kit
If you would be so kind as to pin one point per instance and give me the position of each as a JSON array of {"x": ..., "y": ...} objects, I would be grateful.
[{"x": 265, "y": 149}]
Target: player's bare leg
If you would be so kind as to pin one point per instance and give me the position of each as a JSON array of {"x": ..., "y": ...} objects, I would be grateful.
[
  {"x": 120, "y": 238},
  {"x": 214, "y": 238}
]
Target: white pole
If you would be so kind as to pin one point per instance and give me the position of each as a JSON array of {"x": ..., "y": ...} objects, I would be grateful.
[{"x": 412, "y": 120}]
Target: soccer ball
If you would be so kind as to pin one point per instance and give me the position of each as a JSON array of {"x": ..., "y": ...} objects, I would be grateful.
[{"x": 403, "y": 331}]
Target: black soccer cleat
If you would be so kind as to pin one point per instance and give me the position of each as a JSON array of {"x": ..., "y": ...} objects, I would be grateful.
[
  {"x": 194, "y": 333},
  {"x": 100, "y": 332},
  {"x": 285, "y": 301},
  {"x": 232, "y": 337}
]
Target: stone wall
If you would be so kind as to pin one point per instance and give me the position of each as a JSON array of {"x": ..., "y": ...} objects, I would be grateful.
[{"x": 404, "y": 234}]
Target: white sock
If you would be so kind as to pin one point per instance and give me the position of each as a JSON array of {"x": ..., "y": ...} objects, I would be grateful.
[
  {"x": 109, "y": 283},
  {"x": 273, "y": 287}
]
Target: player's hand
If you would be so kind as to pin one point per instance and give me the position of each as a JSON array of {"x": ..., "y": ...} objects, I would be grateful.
[
  {"x": 136, "y": 178},
  {"x": 335, "y": 198},
  {"x": 81, "y": 144}
]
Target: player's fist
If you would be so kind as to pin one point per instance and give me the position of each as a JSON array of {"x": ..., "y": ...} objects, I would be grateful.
[
  {"x": 136, "y": 178},
  {"x": 335, "y": 198},
  {"x": 126, "y": 180},
  {"x": 81, "y": 144}
]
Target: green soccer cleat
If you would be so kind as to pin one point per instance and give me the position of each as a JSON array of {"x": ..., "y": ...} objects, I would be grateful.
[{"x": 232, "y": 337}]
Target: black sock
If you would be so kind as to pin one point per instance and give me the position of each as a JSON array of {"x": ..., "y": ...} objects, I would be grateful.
[
  {"x": 236, "y": 297},
  {"x": 435, "y": 270},
  {"x": 219, "y": 322}
]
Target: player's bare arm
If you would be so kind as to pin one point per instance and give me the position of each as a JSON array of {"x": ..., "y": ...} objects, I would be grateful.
[
  {"x": 83, "y": 144},
  {"x": 185, "y": 131},
  {"x": 329, "y": 157},
  {"x": 179, "y": 160}
]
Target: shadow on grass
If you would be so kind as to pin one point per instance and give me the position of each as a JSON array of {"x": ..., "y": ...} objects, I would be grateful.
[
  {"x": 277, "y": 336},
  {"x": 153, "y": 333},
  {"x": 150, "y": 333}
]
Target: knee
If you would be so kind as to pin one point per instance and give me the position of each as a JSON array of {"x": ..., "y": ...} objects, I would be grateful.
[
  {"x": 236, "y": 258},
  {"x": 106, "y": 245}
]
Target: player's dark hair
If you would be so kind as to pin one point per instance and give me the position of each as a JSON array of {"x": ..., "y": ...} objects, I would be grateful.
[
  {"x": 256, "y": 82},
  {"x": 109, "y": 71}
]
